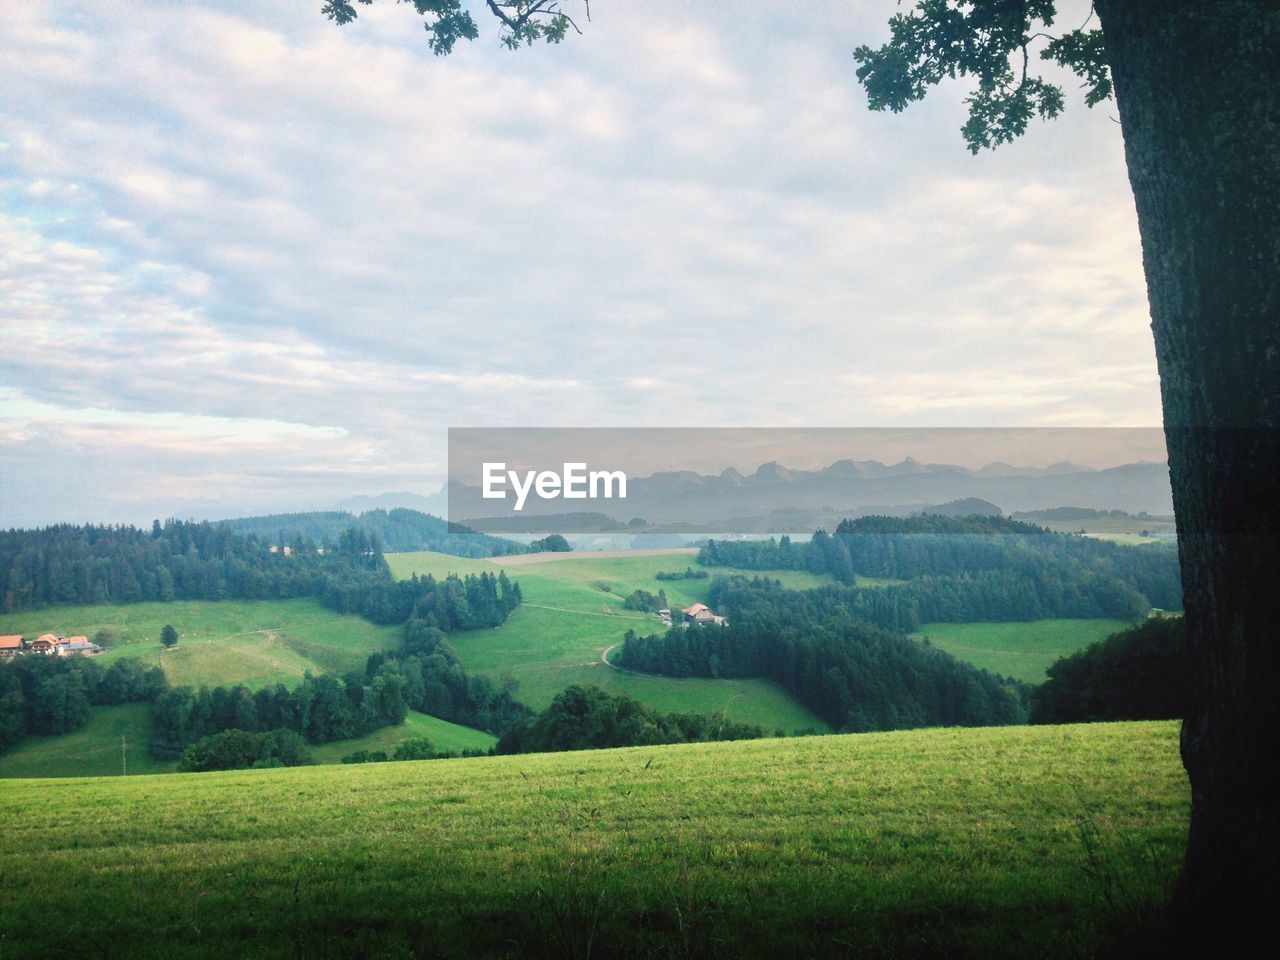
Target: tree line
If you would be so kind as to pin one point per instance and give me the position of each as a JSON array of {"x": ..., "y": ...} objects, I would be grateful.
[
  {"x": 180, "y": 560},
  {"x": 854, "y": 674},
  {"x": 399, "y": 529},
  {"x": 971, "y": 568},
  {"x": 587, "y": 718},
  {"x": 424, "y": 674},
  {"x": 1142, "y": 673},
  {"x": 50, "y": 695}
]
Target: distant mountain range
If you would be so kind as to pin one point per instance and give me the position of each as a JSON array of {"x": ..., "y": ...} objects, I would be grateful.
[
  {"x": 436, "y": 504},
  {"x": 778, "y": 498}
]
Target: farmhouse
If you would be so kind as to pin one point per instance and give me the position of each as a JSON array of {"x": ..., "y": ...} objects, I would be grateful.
[
  {"x": 50, "y": 645},
  {"x": 701, "y": 614},
  {"x": 46, "y": 643},
  {"x": 77, "y": 647}
]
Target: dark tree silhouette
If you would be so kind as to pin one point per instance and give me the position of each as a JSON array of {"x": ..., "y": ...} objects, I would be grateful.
[{"x": 1197, "y": 84}]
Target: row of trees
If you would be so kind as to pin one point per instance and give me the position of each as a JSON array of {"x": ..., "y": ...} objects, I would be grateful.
[
  {"x": 239, "y": 749},
  {"x": 973, "y": 568},
  {"x": 202, "y": 561},
  {"x": 319, "y": 709},
  {"x": 399, "y": 530},
  {"x": 47, "y": 695},
  {"x": 588, "y": 718},
  {"x": 854, "y": 674},
  {"x": 1143, "y": 673}
]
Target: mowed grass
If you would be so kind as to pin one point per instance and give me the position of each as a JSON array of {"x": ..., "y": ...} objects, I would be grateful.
[
  {"x": 1023, "y": 650},
  {"x": 91, "y": 751},
  {"x": 442, "y": 733},
  {"x": 254, "y": 642},
  {"x": 567, "y": 621},
  {"x": 965, "y": 843}
]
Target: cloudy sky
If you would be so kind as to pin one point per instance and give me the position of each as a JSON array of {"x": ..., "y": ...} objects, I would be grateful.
[{"x": 250, "y": 260}]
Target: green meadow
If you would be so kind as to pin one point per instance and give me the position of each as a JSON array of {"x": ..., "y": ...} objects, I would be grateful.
[
  {"x": 572, "y": 613},
  {"x": 92, "y": 751},
  {"x": 442, "y": 733},
  {"x": 254, "y": 642},
  {"x": 1022, "y": 650},
  {"x": 999, "y": 842}
]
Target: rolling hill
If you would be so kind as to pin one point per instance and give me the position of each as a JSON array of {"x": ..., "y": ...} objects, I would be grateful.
[{"x": 1002, "y": 842}]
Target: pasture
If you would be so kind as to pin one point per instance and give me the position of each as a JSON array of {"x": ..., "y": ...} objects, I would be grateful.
[
  {"x": 254, "y": 642},
  {"x": 1000, "y": 842},
  {"x": 572, "y": 613},
  {"x": 1022, "y": 650},
  {"x": 442, "y": 733}
]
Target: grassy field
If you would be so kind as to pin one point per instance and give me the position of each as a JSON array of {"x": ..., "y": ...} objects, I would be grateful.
[
  {"x": 255, "y": 642},
  {"x": 445, "y": 736},
  {"x": 94, "y": 749},
  {"x": 91, "y": 751},
  {"x": 572, "y": 612},
  {"x": 1022, "y": 650},
  {"x": 1002, "y": 842}
]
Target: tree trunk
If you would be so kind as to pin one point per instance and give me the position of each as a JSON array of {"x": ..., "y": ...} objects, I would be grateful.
[{"x": 1197, "y": 83}]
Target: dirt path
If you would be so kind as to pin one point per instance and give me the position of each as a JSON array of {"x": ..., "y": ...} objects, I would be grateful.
[{"x": 522, "y": 559}]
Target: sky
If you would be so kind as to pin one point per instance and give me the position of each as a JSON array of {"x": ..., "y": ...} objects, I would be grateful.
[{"x": 254, "y": 261}]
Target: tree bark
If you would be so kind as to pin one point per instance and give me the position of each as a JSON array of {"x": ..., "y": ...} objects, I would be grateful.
[{"x": 1197, "y": 84}]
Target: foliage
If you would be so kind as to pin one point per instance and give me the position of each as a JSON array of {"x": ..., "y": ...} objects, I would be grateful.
[
  {"x": 320, "y": 709},
  {"x": 645, "y": 601},
  {"x": 50, "y": 695},
  {"x": 975, "y": 568},
  {"x": 853, "y": 674},
  {"x": 239, "y": 749},
  {"x": 524, "y": 22},
  {"x": 991, "y": 41},
  {"x": 687, "y": 574},
  {"x": 168, "y": 635},
  {"x": 1143, "y": 673},
  {"x": 588, "y": 718},
  {"x": 397, "y": 530},
  {"x": 435, "y": 683},
  {"x": 178, "y": 560},
  {"x": 552, "y": 543}
]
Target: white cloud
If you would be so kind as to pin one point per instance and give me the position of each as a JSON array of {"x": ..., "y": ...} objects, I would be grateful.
[{"x": 242, "y": 214}]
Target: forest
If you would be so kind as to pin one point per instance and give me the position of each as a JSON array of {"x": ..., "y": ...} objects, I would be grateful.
[
  {"x": 180, "y": 560},
  {"x": 854, "y": 674},
  {"x": 588, "y": 718},
  {"x": 399, "y": 529},
  {"x": 970, "y": 569},
  {"x": 49, "y": 695},
  {"x": 1143, "y": 673}
]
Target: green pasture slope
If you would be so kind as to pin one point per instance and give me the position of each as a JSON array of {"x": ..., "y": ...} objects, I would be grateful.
[
  {"x": 254, "y": 642},
  {"x": 999, "y": 842},
  {"x": 568, "y": 619},
  {"x": 442, "y": 733},
  {"x": 1022, "y": 650},
  {"x": 91, "y": 751}
]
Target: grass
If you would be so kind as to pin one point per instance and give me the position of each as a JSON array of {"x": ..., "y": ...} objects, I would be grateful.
[
  {"x": 999, "y": 842},
  {"x": 254, "y": 642},
  {"x": 442, "y": 733},
  {"x": 1022, "y": 650},
  {"x": 91, "y": 751},
  {"x": 568, "y": 619}
]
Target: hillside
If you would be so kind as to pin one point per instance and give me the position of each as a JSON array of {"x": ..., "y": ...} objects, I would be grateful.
[
  {"x": 1023, "y": 650},
  {"x": 572, "y": 612},
  {"x": 254, "y": 642},
  {"x": 1000, "y": 842}
]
